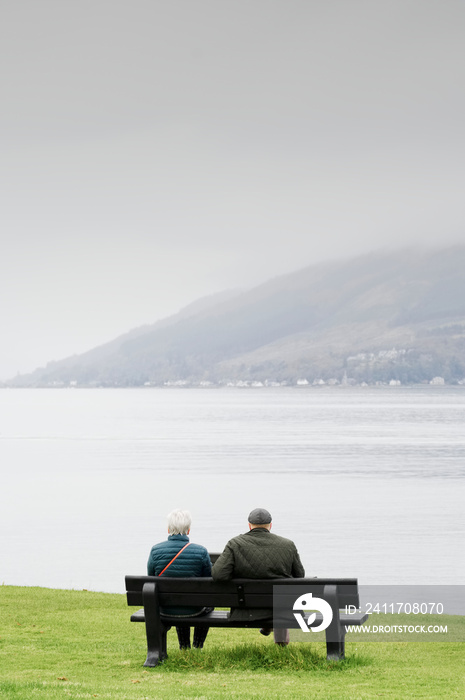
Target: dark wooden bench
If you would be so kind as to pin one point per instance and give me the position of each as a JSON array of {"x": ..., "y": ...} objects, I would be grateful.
[{"x": 154, "y": 592}]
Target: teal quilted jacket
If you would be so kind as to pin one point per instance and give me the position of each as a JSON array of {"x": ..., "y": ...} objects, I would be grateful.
[{"x": 194, "y": 561}]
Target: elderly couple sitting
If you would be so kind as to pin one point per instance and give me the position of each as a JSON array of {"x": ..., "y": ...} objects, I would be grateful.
[{"x": 256, "y": 554}]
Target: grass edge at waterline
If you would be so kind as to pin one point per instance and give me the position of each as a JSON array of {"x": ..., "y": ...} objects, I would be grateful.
[{"x": 79, "y": 644}]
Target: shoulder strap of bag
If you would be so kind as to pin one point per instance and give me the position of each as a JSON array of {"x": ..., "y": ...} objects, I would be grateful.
[{"x": 175, "y": 557}]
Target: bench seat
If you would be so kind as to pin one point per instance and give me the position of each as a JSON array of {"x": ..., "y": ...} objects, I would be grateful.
[{"x": 220, "y": 618}]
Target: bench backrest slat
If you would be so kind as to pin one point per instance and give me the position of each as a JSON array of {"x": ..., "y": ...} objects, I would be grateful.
[{"x": 249, "y": 593}]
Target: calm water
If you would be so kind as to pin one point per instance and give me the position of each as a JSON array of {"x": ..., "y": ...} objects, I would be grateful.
[{"x": 368, "y": 482}]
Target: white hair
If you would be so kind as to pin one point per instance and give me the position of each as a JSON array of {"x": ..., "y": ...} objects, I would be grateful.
[{"x": 179, "y": 522}]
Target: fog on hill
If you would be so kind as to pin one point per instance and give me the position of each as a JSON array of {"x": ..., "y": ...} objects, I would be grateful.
[{"x": 379, "y": 318}]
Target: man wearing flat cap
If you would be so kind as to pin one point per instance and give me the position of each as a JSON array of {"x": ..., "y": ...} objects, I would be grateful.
[{"x": 259, "y": 554}]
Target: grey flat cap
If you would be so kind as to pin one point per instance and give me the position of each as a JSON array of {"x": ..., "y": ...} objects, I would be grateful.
[{"x": 259, "y": 516}]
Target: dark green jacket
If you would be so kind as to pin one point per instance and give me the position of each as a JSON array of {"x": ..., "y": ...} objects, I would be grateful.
[{"x": 257, "y": 554}]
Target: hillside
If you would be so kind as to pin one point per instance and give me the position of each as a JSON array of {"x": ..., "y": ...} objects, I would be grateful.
[{"x": 376, "y": 318}]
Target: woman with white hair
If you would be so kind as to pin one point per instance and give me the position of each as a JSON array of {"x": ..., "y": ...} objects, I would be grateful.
[{"x": 179, "y": 557}]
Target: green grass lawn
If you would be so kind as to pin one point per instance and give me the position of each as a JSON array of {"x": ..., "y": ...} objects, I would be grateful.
[{"x": 77, "y": 644}]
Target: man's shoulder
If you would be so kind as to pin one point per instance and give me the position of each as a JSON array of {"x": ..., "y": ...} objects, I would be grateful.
[
  {"x": 282, "y": 541},
  {"x": 263, "y": 535},
  {"x": 243, "y": 537}
]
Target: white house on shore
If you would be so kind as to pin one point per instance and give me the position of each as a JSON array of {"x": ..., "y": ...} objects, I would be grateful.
[{"x": 438, "y": 381}]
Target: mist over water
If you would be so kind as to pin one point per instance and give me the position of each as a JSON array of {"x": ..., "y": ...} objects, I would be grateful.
[{"x": 367, "y": 481}]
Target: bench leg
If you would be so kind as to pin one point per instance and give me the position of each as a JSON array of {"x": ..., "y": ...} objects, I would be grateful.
[
  {"x": 335, "y": 651},
  {"x": 154, "y": 628},
  {"x": 164, "y": 632},
  {"x": 153, "y": 659},
  {"x": 335, "y": 633},
  {"x": 156, "y": 653}
]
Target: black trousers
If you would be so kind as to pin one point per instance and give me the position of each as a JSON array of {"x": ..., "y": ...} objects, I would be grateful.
[
  {"x": 200, "y": 634},
  {"x": 184, "y": 637}
]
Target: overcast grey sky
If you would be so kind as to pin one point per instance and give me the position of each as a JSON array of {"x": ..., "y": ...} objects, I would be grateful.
[{"x": 157, "y": 151}]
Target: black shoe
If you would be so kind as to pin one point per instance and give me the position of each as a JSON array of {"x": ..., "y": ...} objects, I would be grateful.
[{"x": 266, "y": 631}]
